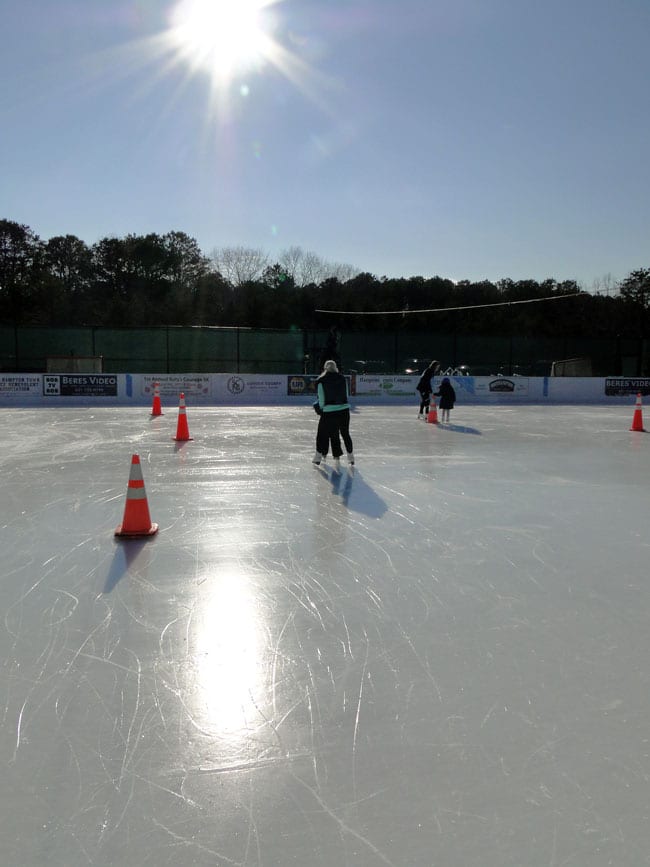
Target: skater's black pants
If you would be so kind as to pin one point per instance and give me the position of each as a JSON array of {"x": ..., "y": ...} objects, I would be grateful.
[
  {"x": 331, "y": 427},
  {"x": 322, "y": 437},
  {"x": 425, "y": 400}
]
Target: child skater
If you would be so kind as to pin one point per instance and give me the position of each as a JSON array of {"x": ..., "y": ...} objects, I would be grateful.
[{"x": 447, "y": 397}]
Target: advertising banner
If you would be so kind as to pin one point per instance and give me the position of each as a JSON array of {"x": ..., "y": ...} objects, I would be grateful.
[
  {"x": 20, "y": 384},
  {"x": 301, "y": 385},
  {"x": 80, "y": 385},
  {"x": 385, "y": 386},
  {"x": 171, "y": 385},
  {"x": 621, "y": 385},
  {"x": 284, "y": 389},
  {"x": 501, "y": 386},
  {"x": 256, "y": 388}
]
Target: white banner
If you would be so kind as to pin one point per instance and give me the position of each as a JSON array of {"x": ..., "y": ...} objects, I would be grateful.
[
  {"x": 385, "y": 386},
  {"x": 172, "y": 384},
  {"x": 249, "y": 388},
  {"x": 213, "y": 389},
  {"x": 20, "y": 384},
  {"x": 501, "y": 386}
]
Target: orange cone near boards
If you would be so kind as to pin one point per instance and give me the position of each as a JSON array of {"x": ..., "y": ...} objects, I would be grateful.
[
  {"x": 432, "y": 416},
  {"x": 182, "y": 430},
  {"x": 156, "y": 409},
  {"x": 637, "y": 421},
  {"x": 136, "y": 520}
]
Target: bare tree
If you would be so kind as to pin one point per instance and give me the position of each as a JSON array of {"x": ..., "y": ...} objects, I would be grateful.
[
  {"x": 605, "y": 285},
  {"x": 342, "y": 271},
  {"x": 240, "y": 265},
  {"x": 313, "y": 269},
  {"x": 303, "y": 266},
  {"x": 306, "y": 267},
  {"x": 290, "y": 261}
]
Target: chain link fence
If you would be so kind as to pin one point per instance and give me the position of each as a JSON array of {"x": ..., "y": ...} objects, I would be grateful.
[{"x": 244, "y": 350}]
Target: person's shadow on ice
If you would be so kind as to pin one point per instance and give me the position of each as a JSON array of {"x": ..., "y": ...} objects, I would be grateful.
[{"x": 354, "y": 492}]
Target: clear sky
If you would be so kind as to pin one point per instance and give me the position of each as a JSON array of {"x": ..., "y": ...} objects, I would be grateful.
[{"x": 466, "y": 138}]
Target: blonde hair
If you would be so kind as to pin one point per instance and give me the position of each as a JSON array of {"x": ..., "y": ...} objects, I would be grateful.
[{"x": 330, "y": 366}]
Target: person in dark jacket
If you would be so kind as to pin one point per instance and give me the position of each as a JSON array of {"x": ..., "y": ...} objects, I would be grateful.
[
  {"x": 331, "y": 350},
  {"x": 447, "y": 396},
  {"x": 332, "y": 391},
  {"x": 425, "y": 387}
]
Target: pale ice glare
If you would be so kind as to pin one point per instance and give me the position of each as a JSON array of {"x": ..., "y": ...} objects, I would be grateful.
[{"x": 439, "y": 657}]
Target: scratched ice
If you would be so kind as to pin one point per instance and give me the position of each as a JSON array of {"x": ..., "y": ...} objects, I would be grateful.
[{"x": 440, "y": 657}]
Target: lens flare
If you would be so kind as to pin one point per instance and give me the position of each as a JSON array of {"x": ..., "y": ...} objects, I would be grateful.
[{"x": 221, "y": 37}]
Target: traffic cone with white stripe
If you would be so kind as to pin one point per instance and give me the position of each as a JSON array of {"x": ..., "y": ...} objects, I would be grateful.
[
  {"x": 637, "y": 420},
  {"x": 182, "y": 429},
  {"x": 156, "y": 409},
  {"x": 136, "y": 520},
  {"x": 432, "y": 416}
]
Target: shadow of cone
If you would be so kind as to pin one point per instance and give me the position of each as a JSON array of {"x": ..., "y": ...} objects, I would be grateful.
[
  {"x": 432, "y": 416},
  {"x": 156, "y": 409},
  {"x": 136, "y": 521},
  {"x": 182, "y": 429},
  {"x": 637, "y": 420}
]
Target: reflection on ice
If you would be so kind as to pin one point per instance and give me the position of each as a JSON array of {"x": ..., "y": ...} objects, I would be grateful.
[{"x": 226, "y": 643}]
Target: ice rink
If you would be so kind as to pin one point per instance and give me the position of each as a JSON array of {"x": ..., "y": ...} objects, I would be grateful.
[{"x": 438, "y": 658}]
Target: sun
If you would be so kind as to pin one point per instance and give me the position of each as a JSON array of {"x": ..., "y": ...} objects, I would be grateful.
[
  {"x": 231, "y": 43},
  {"x": 221, "y": 37}
]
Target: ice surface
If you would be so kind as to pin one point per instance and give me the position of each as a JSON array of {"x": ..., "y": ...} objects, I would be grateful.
[{"x": 440, "y": 657}]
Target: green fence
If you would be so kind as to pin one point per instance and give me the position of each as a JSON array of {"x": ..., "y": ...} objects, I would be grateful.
[{"x": 243, "y": 350}]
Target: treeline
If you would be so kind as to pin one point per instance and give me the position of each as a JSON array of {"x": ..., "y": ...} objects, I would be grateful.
[{"x": 150, "y": 280}]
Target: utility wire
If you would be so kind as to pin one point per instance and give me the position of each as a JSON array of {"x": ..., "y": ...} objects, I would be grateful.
[{"x": 446, "y": 309}]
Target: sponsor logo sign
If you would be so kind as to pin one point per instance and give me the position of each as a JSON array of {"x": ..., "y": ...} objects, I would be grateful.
[
  {"x": 20, "y": 384},
  {"x": 236, "y": 385},
  {"x": 172, "y": 385},
  {"x": 306, "y": 384},
  {"x": 303, "y": 384},
  {"x": 249, "y": 388},
  {"x": 500, "y": 385},
  {"x": 622, "y": 385},
  {"x": 389, "y": 386},
  {"x": 261, "y": 387},
  {"x": 79, "y": 385}
]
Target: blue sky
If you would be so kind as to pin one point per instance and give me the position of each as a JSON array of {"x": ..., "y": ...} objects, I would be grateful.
[{"x": 466, "y": 138}]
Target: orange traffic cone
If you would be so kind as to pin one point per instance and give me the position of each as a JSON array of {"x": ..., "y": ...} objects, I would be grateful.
[
  {"x": 182, "y": 430},
  {"x": 432, "y": 416},
  {"x": 136, "y": 520},
  {"x": 637, "y": 421},
  {"x": 156, "y": 409}
]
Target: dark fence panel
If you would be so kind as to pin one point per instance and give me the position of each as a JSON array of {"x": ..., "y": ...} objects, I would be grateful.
[
  {"x": 129, "y": 350},
  {"x": 28, "y": 348},
  {"x": 244, "y": 350},
  {"x": 203, "y": 350}
]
